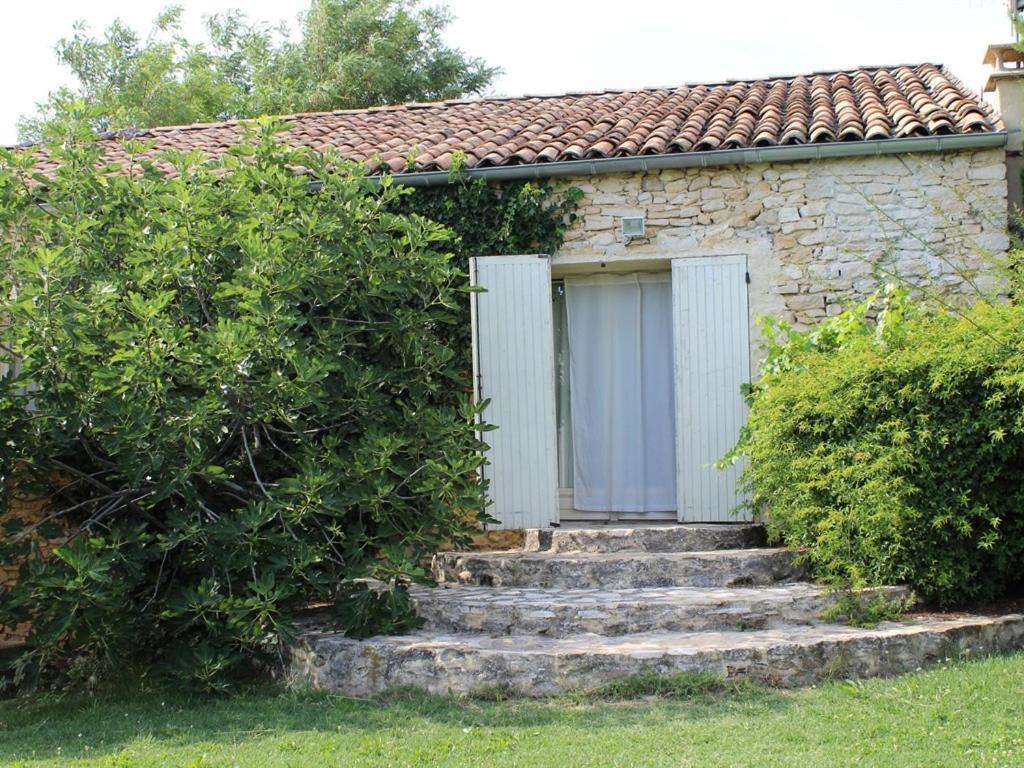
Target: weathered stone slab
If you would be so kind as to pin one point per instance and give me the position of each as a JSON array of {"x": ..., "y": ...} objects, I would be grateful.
[
  {"x": 653, "y": 538},
  {"x": 560, "y": 613},
  {"x": 538, "y": 666},
  {"x": 621, "y": 570}
]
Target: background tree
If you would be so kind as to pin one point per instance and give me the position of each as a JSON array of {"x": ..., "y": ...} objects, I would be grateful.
[
  {"x": 357, "y": 53},
  {"x": 352, "y": 53}
]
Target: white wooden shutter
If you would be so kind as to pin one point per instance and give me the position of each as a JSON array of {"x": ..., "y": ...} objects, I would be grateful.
[
  {"x": 514, "y": 367},
  {"x": 712, "y": 359}
]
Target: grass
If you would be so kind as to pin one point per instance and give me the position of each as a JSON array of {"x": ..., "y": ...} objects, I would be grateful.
[
  {"x": 961, "y": 714},
  {"x": 857, "y": 611},
  {"x": 684, "y": 685}
]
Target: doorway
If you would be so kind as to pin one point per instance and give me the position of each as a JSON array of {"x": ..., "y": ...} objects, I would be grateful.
[
  {"x": 615, "y": 408},
  {"x": 632, "y": 390}
]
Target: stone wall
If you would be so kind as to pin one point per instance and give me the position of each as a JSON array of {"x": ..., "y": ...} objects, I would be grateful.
[
  {"x": 815, "y": 233},
  {"x": 26, "y": 511}
]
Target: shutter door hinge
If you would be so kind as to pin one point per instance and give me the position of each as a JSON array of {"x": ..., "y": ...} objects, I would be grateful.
[{"x": 746, "y": 276}]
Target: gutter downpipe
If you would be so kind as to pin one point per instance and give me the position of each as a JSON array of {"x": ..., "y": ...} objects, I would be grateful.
[{"x": 782, "y": 154}]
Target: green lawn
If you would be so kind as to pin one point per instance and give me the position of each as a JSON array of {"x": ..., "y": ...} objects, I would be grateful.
[{"x": 964, "y": 714}]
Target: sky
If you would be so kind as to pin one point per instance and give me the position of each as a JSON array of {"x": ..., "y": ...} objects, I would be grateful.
[{"x": 554, "y": 46}]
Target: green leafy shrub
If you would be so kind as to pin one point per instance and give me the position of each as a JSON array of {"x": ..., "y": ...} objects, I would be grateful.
[
  {"x": 240, "y": 397},
  {"x": 893, "y": 450}
]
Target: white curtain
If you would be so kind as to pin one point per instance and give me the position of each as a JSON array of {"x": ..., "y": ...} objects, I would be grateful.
[
  {"x": 623, "y": 419},
  {"x": 563, "y": 401}
]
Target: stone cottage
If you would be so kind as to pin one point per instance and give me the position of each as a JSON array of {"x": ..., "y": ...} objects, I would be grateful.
[{"x": 614, "y": 366}]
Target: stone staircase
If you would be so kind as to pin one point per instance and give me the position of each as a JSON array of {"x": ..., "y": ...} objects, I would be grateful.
[{"x": 576, "y": 609}]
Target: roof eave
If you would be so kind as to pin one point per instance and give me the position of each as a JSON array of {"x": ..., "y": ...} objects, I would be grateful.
[{"x": 779, "y": 154}]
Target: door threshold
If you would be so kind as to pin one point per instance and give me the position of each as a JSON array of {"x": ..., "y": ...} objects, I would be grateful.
[{"x": 606, "y": 522}]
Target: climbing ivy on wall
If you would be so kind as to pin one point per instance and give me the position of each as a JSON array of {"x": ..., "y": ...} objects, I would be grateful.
[{"x": 492, "y": 219}]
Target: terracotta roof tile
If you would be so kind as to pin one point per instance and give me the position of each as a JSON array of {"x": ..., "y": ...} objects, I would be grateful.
[{"x": 862, "y": 104}]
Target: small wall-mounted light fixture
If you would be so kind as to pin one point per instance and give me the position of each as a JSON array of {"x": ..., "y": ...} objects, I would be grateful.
[{"x": 633, "y": 227}]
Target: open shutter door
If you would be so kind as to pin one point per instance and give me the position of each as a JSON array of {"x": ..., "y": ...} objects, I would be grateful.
[
  {"x": 514, "y": 367},
  {"x": 712, "y": 360}
]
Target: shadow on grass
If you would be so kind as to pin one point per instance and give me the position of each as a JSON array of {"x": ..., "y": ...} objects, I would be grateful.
[{"x": 67, "y": 727}]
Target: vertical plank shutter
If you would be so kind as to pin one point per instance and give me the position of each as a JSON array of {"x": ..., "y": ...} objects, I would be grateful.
[
  {"x": 712, "y": 359},
  {"x": 514, "y": 367}
]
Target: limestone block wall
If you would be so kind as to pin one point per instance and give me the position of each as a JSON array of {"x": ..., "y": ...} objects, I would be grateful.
[
  {"x": 27, "y": 511},
  {"x": 816, "y": 234}
]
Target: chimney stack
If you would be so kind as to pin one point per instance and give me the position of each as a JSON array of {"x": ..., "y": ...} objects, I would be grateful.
[{"x": 1006, "y": 82}]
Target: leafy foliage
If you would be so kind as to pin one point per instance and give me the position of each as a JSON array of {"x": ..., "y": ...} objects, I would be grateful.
[
  {"x": 517, "y": 217},
  {"x": 356, "y": 53},
  {"x": 489, "y": 219},
  {"x": 352, "y": 53},
  {"x": 857, "y": 610},
  {"x": 894, "y": 449},
  {"x": 240, "y": 397}
]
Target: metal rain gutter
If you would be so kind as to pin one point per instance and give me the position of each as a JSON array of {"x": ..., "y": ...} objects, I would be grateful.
[{"x": 781, "y": 154}]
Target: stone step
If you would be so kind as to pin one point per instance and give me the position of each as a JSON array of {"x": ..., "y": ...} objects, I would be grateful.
[
  {"x": 618, "y": 570},
  {"x": 560, "y": 613},
  {"x": 691, "y": 537},
  {"x": 539, "y": 666}
]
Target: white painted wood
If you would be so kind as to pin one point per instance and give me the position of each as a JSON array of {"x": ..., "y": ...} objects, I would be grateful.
[
  {"x": 712, "y": 359},
  {"x": 514, "y": 367}
]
